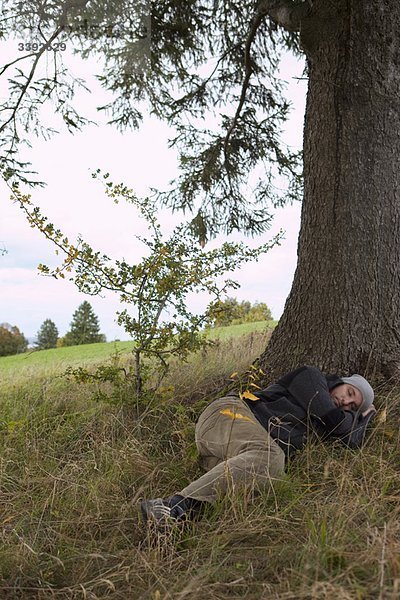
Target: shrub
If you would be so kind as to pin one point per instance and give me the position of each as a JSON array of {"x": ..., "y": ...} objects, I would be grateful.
[{"x": 155, "y": 289}]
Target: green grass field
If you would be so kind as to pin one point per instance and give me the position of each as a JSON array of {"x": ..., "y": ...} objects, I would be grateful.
[
  {"x": 73, "y": 468},
  {"x": 37, "y": 372},
  {"x": 60, "y": 358}
]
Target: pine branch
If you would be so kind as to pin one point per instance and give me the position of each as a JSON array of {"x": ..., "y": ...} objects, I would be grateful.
[
  {"x": 13, "y": 62},
  {"x": 69, "y": 4},
  {"x": 286, "y": 13},
  {"x": 24, "y": 87},
  {"x": 256, "y": 22}
]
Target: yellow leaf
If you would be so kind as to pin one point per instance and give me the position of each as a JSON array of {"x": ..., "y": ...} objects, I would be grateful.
[
  {"x": 381, "y": 417},
  {"x": 233, "y": 375},
  {"x": 389, "y": 433},
  {"x": 248, "y": 395},
  {"x": 256, "y": 386},
  {"x": 8, "y": 519},
  {"x": 235, "y": 415}
]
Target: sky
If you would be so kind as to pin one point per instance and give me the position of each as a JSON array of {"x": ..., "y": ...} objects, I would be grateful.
[{"x": 76, "y": 203}]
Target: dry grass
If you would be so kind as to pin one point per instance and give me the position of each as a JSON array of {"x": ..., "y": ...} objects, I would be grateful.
[
  {"x": 72, "y": 472},
  {"x": 209, "y": 371}
]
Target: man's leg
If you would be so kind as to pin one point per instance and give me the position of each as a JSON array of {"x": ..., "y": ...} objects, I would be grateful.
[{"x": 235, "y": 448}]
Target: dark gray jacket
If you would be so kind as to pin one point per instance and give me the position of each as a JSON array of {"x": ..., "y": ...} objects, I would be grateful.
[{"x": 299, "y": 403}]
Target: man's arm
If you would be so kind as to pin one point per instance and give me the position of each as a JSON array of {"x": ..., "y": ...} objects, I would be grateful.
[
  {"x": 308, "y": 386},
  {"x": 354, "y": 437}
]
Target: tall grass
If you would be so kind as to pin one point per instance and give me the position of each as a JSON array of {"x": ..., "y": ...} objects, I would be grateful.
[{"x": 72, "y": 471}]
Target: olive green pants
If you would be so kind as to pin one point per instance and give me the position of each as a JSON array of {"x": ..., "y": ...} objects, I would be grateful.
[{"x": 235, "y": 449}]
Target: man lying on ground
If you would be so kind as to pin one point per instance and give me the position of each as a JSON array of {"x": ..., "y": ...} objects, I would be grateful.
[{"x": 244, "y": 441}]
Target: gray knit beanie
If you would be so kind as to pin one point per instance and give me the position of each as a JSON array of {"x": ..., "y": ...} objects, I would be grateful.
[{"x": 366, "y": 390}]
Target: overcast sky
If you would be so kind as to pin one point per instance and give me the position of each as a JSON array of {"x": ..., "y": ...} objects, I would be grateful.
[{"x": 74, "y": 202}]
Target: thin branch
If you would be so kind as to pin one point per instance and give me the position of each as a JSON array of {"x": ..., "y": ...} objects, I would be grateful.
[
  {"x": 15, "y": 61},
  {"x": 96, "y": 270},
  {"x": 258, "y": 17},
  {"x": 273, "y": 9},
  {"x": 203, "y": 84},
  {"x": 61, "y": 23},
  {"x": 30, "y": 77},
  {"x": 161, "y": 307},
  {"x": 286, "y": 13}
]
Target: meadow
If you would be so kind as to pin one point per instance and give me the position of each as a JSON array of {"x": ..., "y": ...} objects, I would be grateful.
[{"x": 74, "y": 464}]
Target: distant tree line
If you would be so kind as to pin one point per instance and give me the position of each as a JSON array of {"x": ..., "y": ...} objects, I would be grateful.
[
  {"x": 84, "y": 329},
  {"x": 233, "y": 312}
]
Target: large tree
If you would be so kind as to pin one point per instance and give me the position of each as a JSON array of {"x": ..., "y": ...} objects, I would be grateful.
[{"x": 343, "y": 311}]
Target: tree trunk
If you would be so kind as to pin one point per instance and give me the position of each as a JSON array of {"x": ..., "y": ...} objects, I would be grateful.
[{"x": 343, "y": 312}]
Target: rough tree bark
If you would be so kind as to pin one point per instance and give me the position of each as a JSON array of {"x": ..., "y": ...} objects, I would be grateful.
[{"x": 343, "y": 312}]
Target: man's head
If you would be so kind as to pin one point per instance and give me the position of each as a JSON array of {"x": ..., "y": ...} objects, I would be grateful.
[{"x": 354, "y": 393}]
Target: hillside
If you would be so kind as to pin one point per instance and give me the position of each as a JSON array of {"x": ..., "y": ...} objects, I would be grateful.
[
  {"x": 58, "y": 358},
  {"x": 74, "y": 463}
]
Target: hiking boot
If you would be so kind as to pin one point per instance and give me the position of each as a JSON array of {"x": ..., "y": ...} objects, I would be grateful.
[{"x": 160, "y": 509}]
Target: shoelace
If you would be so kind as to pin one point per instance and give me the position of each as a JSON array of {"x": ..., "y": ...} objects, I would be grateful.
[{"x": 161, "y": 510}]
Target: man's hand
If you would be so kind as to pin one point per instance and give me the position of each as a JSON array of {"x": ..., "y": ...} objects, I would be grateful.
[{"x": 370, "y": 409}]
